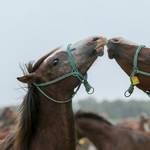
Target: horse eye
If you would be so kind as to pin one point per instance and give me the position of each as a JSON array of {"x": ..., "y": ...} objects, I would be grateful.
[{"x": 55, "y": 62}]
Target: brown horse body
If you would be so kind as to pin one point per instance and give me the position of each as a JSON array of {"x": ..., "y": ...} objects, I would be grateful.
[
  {"x": 43, "y": 124},
  {"x": 123, "y": 51},
  {"x": 106, "y": 136}
]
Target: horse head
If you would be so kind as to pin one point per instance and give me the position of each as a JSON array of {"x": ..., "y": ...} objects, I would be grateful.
[
  {"x": 57, "y": 64},
  {"x": 124, "y": 51}
]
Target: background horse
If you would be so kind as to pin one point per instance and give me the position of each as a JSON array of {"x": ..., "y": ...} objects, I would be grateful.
[
  {"x": 7, "y": 122},
  {"x": 123, "y": 51},
  {"x": 43, "y": 122},
  {"x": 8, "y": 118},
  {"x": 106, "y": 136},
  {"x": 141, "y": 123}
]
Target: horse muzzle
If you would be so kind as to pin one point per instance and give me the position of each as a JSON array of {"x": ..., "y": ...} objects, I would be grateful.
[
  {"x": 100, "y": 42},
  {"x": 113, "y": 48}
]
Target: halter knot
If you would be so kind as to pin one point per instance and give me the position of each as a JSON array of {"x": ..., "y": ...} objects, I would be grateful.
[{"x": 135, "y": 70}]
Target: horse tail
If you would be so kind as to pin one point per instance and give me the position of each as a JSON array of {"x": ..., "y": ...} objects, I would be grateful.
[{"x": 8, "y": 142}]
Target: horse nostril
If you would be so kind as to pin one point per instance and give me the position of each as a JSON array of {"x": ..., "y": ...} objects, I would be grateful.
[
  {"x": 95, "y": 38},
  {"x": 116, "y": 40}
]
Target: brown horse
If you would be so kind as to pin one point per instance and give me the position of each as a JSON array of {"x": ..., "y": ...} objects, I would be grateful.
[
  {"x": 123, "y": 51},
  {"x": 141, "y": 123},
  {"x": 8, "y": 118},
  {"x": 43, "y": 122},
  {"x": 106, "y": 136}
]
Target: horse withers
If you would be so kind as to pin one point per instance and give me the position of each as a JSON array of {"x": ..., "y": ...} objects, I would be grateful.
[{"x": 45, "y": 120}]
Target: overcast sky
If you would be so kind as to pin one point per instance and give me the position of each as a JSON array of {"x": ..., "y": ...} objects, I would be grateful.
[{"x": 31, "y": 28}]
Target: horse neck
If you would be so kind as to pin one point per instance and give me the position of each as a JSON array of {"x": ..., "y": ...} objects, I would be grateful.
[
  {"x": 55, "y": 128},
  {"x": 94, "y": 130}
]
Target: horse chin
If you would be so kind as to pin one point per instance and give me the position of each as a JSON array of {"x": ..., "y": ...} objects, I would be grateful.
[
  {"x": 111, "y": 53},
  {"x": 100, "y": 53}
]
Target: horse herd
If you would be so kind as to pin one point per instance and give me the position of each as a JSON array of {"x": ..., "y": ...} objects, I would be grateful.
[{"x": 45, "y": 120}]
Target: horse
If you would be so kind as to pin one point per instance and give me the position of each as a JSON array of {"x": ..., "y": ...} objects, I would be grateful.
[
  {"x": 106, "y": 136},
  {"x": 141, "y": 123},
  {"x": 134, "y": 60},
  {"x": 45, "y": 119},
  {"x": 7, "y": 122},
  {"x": 8, "y": 118}
]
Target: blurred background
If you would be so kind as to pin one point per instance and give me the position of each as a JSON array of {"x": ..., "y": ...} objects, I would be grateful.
[{"x": 29, "y": 29}]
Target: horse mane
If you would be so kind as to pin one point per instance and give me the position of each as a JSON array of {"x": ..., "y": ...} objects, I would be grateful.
[
  {"x": 27, "y": 114},
  {"x": 90, "y": 115}
]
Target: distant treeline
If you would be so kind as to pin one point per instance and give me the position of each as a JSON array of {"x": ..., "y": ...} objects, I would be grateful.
[{"x": 116, "y": 110}]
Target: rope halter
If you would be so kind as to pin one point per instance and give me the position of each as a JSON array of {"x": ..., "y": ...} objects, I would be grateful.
[
  {"x": 134, "y": 79},
  {"x": 74, "y": 72}
]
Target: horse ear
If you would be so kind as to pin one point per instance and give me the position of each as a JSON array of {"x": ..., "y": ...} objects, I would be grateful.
[{"x": 27, "y": 78}]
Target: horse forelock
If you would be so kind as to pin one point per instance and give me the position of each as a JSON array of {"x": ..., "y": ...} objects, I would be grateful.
[
  {"x": 39, "y": 62},
  {"x": 90, "y": 115}
]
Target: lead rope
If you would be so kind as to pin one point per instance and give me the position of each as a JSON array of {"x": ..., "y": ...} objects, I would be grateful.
[
  {"x": 134, "y": 80},
  {"x": 80, "y": 145},
  {"x": 77, "y": 140},
  {"x": 74, "y": 72}
]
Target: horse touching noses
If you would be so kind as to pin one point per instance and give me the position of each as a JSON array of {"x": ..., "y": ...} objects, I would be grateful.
[
  {"x": 134, "y": 60},
  {"x": 46, "y": 119}
]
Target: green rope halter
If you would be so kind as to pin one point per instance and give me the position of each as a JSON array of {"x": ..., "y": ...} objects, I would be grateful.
[
  {"x": 136, "y": 71},
  {"x": 74, "y": 72}
]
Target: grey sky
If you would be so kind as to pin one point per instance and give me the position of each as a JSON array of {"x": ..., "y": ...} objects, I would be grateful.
[{"x": 29, "y": 29}]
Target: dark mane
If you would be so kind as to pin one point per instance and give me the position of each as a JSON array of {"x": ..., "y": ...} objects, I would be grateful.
[
  {"x": 27, "y": 115},
  {"x": 90, "y": 115}
]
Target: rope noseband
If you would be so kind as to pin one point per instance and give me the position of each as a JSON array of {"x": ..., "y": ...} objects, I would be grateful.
[
  {"x": 74, "y": 72},
  {"x": 134, "y": 79}
]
